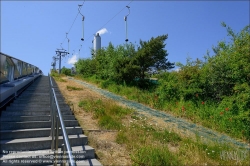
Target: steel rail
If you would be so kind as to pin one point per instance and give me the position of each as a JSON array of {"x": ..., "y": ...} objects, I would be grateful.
[{"x": 65, "y": 135}]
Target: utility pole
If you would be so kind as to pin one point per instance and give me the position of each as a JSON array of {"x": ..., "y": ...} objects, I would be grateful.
[
  {"x": 61, "y": 54},
  {"x": 54, "y": 62}
]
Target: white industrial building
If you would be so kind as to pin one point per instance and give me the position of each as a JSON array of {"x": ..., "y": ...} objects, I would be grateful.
[{"x": 96, "y": 43}]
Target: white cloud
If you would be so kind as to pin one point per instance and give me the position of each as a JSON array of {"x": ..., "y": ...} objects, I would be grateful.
[
  {"x": 72, "y": 60},
  {"x": 177, "y": 69},
  {"x": 102, "y": 31}
]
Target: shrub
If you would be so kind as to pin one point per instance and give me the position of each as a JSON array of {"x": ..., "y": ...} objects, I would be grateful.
[{"x": 66, "y": 71}]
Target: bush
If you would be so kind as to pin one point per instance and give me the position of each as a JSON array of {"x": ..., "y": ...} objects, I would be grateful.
[
  {"x": 66, "y": 71},
  {"x": 105, "y": 84}
]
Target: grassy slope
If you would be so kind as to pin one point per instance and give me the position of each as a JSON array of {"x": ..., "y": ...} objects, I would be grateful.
[{"x": 149, "y": 144}]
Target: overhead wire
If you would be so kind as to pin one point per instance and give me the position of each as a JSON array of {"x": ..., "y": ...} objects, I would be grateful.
[
  {"x": 79, "y": 8},
  {"x": 113, "y": 17},
  {"x": 98, "y": 29},
  {"x": 109, "y": 21},
  {"x": 71, "y": 26},
  {"x": 73, "y": 22}
]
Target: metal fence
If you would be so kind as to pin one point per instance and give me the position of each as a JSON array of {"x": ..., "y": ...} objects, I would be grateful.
[
  {"x": 12, "y": 68},
  {"x": 15, "y": 76}
]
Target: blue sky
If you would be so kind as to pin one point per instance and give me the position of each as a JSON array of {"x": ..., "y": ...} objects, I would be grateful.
[{"x": 32, "y": 31}]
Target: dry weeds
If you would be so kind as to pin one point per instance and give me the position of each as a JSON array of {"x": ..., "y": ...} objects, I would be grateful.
[{"x": 107, "y": 150}]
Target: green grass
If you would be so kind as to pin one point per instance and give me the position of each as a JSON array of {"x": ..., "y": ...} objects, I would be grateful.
[
  {"x": 57, "y": 76},
  {"x": 108, "y": 114},
  {"x": 216, "y": 116},
  {"x": 148, "y": 144},
  {"x": 151, "y": 155},
  {"x": 109, "y": 122},
  {"x": 166, "y": 136},
  {"x": 121, "y": 138},
  {"x": 70, "y": 88},
  {"x": 60, "y": 79}
]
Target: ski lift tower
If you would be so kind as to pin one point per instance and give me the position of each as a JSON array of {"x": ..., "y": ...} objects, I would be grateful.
[{"x": 60, "y": 53}]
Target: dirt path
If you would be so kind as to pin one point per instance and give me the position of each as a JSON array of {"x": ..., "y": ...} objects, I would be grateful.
[
  {"x": 103, "y": 141},
  {"x": 165, "y": 120}
]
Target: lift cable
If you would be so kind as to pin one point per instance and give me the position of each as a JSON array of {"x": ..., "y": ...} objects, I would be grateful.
[
  {"x": 73, "y": 22},
  {"x": 109, "y": 20},
  {"x": 113, "y": 17},
  {"x": 80, "y": 6}
]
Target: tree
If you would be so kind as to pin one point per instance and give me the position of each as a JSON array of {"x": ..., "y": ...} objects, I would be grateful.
[
  {"x": 105, "y": 58},
  {"x": 124, "y": 62},
  {"x": 66, "y": 71},
  {"x": 86, "y": 67},
  {"x": 151, "y": 54},
  {"x": 124, "y": 67}
]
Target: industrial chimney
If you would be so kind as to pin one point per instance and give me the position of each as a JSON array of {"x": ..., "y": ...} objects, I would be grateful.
[{"x": 97, "y": 42}]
